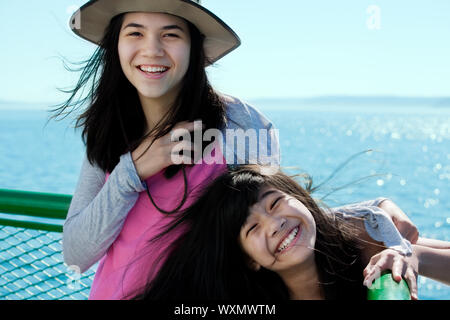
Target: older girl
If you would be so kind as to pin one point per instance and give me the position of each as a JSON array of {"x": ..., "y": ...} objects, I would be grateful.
[{"x": 147, "y": 86}]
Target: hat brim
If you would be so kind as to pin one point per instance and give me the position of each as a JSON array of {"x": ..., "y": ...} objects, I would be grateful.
[{"x": 92, "y": 19}]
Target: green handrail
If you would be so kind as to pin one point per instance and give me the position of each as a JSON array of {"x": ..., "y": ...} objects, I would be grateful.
[
  {"x": 43, "y": 211},
  {"x": 386, "y": 288}
]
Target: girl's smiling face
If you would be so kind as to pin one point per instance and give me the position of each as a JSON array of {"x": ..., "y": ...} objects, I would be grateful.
[
  {"x": 154, "y": 52},
  {"x": 279, "y": 233}
]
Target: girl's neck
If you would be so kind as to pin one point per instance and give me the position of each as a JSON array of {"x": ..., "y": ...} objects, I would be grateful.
[
  {"x": 154, "y": 110},
  {"x": 303, "y": 282}
]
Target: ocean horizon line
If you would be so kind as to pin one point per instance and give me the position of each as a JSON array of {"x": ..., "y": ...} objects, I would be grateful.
[
  {"x": 319, "y": 100},
  {"x": 369, "y": 99}
]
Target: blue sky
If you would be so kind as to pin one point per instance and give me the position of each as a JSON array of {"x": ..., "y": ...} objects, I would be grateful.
[{"x": 290, "y": 48}]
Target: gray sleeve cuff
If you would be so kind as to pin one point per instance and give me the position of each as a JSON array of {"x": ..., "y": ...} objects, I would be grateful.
[
  {"x": 378, "y": 224},
  {"x": 128, "y": 166}
]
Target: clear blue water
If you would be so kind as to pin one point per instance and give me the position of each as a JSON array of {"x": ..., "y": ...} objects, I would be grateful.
[{"x": 410, "y": 161}]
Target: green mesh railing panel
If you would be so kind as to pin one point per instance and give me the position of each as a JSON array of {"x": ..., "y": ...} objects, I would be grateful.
[{"x": 32, "y": 267}]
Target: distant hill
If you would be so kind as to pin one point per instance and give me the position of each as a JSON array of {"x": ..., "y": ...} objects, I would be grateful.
[
  {"x": 321, "y": 101},
  {"x": 19, "y": 105},
  {"x": 356, "y": 101}
]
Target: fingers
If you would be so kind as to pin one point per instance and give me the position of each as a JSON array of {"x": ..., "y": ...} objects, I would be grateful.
[
  {"x": 400, "y": 266},
  {"x": 385, "y": 260},
  {"x": 184, "y": 129},
  {"x": 397, "y": 269},
  {"x": 373, "y": 271},
  {"x": 181, "y": 149},
  {"x": 373, "y": 261},
  {"x": 373, "y": 274},
  {"x": 181, "y": 146},
  {"x": 411, "y": 279},
  {"x": 181, "y": 152},
  {"x": 181, "y": 159},
  {"x": 152, "y": 155}
]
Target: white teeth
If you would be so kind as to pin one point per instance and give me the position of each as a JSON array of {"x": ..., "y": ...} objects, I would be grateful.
[
  {"x": 153, "y": 69},
  {"x": 288, "y": 240}
]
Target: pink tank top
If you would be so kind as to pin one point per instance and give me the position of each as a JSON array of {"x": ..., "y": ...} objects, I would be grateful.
[{"x": 125, "y": 269}]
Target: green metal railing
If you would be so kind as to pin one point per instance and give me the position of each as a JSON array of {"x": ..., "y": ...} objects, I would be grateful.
[
  {"x": 31, "y": 262},
  {"x": 44, "y": 211}
]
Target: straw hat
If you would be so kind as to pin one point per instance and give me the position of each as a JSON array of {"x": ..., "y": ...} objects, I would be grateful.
[{"x": 91, "y": 20}]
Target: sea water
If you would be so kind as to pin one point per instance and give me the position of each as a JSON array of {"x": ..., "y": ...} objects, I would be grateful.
[{"x": 402, "y": 153}]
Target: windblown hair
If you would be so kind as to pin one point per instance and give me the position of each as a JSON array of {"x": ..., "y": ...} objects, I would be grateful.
[
  {"x": 207, "y": 262},
  {"x": 114, "y": 122}
]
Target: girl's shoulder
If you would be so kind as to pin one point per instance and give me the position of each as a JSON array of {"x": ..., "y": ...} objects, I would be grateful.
[
  {"x": 245, "y": 121},
  {"x": 244, "y": 115}
]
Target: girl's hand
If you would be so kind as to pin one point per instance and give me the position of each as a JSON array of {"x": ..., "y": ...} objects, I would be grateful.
[
  {"x": 401, "y": 267},
  {"x": 404, "y": 225},
  {"x": 165, "y": 151}
]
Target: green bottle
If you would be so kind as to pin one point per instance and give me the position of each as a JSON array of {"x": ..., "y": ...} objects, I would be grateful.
[{"x": 386, "y": 288}]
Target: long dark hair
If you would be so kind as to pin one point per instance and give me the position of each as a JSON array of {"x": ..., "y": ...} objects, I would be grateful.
[
  {"x": 207, "y": 261},
  {"x": 114, "y": 122}
]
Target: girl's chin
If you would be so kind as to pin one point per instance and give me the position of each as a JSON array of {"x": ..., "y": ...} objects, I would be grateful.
[
  {"x": 145, "y": 95},
  {"x": 157, "y": 95}
]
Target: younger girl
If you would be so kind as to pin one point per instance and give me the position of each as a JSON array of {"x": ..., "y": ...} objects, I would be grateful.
[{"x": 258, "y": 235}]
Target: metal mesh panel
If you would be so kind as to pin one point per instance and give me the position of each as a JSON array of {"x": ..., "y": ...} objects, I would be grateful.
[{"x": 32, "y": 267}]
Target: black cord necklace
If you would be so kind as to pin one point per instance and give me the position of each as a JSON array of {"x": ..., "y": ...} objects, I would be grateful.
[{"x": 182, "y": 201}]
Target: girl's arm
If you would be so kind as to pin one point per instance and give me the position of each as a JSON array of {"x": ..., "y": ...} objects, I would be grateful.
[
  {"x": 97, "y": 211},
  {"x": 433, "y": 243},
  {"x": 433, "y": 255},
  {"x": 404, "y": 225},
  {"x": 365, "y": 209},
  {"x": 434, "y": 261},
  {"x": 376, "y": 224}
]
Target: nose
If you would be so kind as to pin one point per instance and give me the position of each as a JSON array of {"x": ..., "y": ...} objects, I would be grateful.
[
  {"x": 152, "y": 47},
  {"x": 274, "y": 224}
]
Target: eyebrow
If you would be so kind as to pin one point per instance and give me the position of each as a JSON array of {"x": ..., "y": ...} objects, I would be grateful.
[
  {"x": 137, "y": 25},
  {"x": 265, "y": 194}
]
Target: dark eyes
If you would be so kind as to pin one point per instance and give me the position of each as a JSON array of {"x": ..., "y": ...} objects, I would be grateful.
[
  {"x": 174, "y": 35},
  {"x": 275, "y": 202},
  {"x": 167, "y": 35},
  {"x": 135, "y": 33},
  {"x": 251, "y": 228}
]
